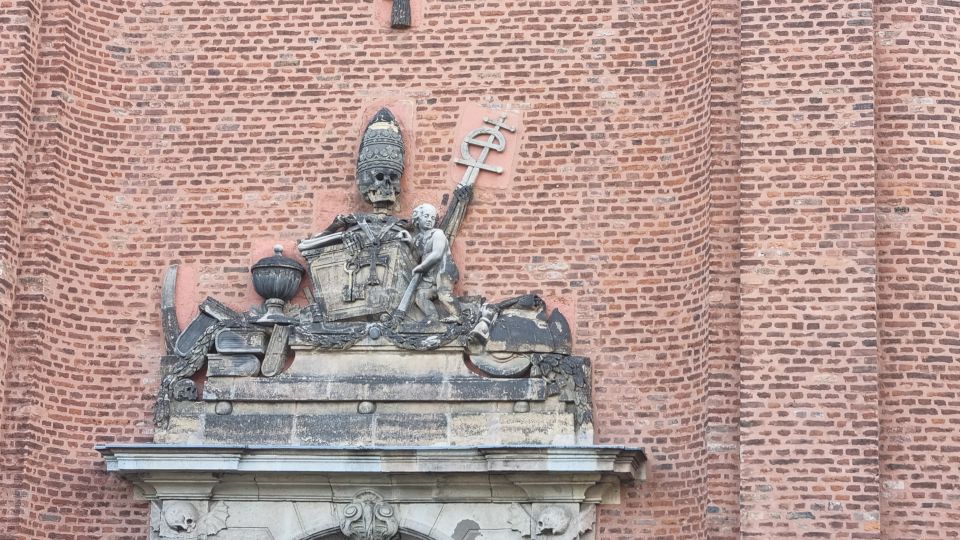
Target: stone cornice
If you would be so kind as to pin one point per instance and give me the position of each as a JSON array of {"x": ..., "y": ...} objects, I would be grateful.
[
  {"x": 564, "y": 473},
  {"x": 625, "y": 463}
]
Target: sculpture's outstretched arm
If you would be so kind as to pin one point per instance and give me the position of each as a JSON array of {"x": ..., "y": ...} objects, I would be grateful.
[{"x": 330, "y": 234}]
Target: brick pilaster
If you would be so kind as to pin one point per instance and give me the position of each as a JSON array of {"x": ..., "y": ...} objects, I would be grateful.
[{"x": 809, "y": 402}]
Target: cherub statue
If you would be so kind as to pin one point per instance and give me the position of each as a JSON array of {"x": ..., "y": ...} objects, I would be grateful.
[{"x": 437, "y": 271}]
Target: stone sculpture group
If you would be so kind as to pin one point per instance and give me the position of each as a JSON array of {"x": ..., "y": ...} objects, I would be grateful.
[
  {"x": 377, "y": 276},
  {"x": 382, "y": 395}
]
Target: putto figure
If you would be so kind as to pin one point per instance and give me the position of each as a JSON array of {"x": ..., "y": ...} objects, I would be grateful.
[{"x": 437, "y": 271}]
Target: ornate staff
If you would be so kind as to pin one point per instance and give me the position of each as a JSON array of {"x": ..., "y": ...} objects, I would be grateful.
[{"x": 463, "y": 194}]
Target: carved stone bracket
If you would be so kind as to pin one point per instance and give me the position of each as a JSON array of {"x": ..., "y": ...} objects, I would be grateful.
[{"x": 369, "y": 517}]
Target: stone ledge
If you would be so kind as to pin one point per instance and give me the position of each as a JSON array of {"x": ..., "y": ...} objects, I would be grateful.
[
  {"x": 371, "y": 388},
  {"x": 137, "y": 459}
]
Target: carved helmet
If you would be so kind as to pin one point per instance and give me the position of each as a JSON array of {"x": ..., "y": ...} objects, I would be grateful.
[{"x": 380, "y": 160}]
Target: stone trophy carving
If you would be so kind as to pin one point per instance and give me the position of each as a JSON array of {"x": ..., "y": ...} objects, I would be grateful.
[
  {"x": 380, "y": 278},
  {"x": 369, "y": 517}
]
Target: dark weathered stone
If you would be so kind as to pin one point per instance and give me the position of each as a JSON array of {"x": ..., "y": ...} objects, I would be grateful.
[
  {"x": 277, "y": 279},
  {"x": 400, "y": 15},
  {"x": 184, "y": 390},
  {"x": 373, "y": 388},
  {"x": 560, "y": 329},
  {"x": 168, "y": 309},
  {"x": 232, "y": 365},
  {"x": 197, "y": 327},
  {"x": 410, "y": 429},
  {"x": 340, "y": 429},
  {"x": 218, "y": 310},
  {"x": 241, "y": 340},
  {"x": 249, "y": 428},
  {"x": 213, "y": 316},
  {"x": 276, "y": 351},
  {"x": 569, "y": 377}
]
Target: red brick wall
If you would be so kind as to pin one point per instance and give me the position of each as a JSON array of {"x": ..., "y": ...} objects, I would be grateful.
[
  {"x": 918, "y": 240},
  {"x": 18, "y": 50},
  {"x": 808, "y": 357},
  {"x": 18, "y": 53},
  {"x": 723, "y": 406},
  {"x": 695, "y": 182}
]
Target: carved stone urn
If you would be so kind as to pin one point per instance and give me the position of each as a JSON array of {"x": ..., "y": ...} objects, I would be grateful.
[{"x": 277, "y": 279}]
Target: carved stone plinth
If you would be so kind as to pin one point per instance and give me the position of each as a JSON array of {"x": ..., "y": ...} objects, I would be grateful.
[{"x": 417, "y": 398}]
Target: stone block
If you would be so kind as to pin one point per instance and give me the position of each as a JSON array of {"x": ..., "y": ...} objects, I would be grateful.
[
  {"x": 411, "y": 429},
  {"x": 334, "y": 430},
  {"x": 285, "y": 387},
  {"x": 241, "y": 340},
  {"x": 249, "y": 429},
  {"x": 232, "y": 365}
]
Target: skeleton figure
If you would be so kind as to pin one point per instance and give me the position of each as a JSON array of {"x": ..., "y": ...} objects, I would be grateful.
[{"x": 379, "y": 168}]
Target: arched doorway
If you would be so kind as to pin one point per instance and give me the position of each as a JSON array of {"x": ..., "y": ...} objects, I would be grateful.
[{"x": 335, "y": 534}]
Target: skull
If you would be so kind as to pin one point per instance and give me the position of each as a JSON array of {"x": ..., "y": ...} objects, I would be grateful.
[
  {"x": 184, "y": 390},
  {"x": 380, "y": 186},
  {"x": 553, "y": 520},
  {"x": 180, "y": 516},
  {"x": 380, "y": 160}
]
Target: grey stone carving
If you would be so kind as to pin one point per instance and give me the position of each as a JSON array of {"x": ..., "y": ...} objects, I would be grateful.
[
  {"x": 545, "y": 521},
  {"x": 380, "y": 161},
  {"x": 183, "y": 520},
  {"x": 168, "y": 309},
  {"x": 369, "y": 517},
  {"x": 519, "y": 520},
  {"x": 436, "y": 274},
  {"x": 277, "y": 279},
  {"x": 553, "y": 520},
  {"x": 382, "y": 281},
  {"x": 400, "y": 16},
  {"x": 211, "y": 312},
  {"x": 192, "y": 347},
  {"x": 181, "y": 516},
  {"x": 184, "y": 390},
  {"x": 568, "y": 377}
]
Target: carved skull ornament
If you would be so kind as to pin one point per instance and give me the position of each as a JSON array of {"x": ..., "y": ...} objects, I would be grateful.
[
  {"x": 181, "y": 516},
  {"x": 380, "y": 161},
  {"x": 184, "y": 390},
  {"x": 553, "y": 520}
]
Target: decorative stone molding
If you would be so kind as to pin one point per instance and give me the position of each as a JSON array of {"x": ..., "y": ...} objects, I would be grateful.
[
  {"x": 369, "y": 517},
  {"x": 183, "y": 520}
]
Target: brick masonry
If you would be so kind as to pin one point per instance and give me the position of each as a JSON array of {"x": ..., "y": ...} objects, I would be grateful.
[{"x": 748, "y": 209}]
